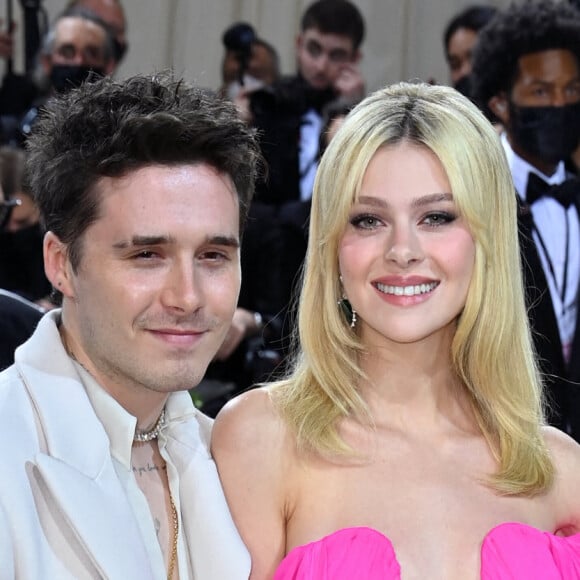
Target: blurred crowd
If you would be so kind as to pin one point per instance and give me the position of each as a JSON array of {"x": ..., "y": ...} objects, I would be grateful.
[{"x": 521, "y": 68}]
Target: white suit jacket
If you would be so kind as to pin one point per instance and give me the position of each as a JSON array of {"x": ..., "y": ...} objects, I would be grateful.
[{"x": 63, "y": 512}]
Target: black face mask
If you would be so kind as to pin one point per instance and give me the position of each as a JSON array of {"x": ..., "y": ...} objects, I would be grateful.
[
  {"x": 549, "y": 133},
  {"x": 463, "y": 85},
  {"x": 22, "y": 263},
  {"x": 64, "y": 77},
  {"x": 119, "y": 50}
]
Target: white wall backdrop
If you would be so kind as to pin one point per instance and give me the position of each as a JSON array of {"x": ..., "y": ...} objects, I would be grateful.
[{"x": 403, "y": 38}]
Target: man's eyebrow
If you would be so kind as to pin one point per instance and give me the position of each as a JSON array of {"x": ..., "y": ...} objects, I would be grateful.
[
  {"x": 417, "y": 202},
  {"x": 230, "y": 241},
  {"x": 144, "y": 241},
  {"x": 138, "y": 241}
]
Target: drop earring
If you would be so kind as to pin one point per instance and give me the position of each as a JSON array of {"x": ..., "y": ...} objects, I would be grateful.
[{"x": 348, "y": 311}]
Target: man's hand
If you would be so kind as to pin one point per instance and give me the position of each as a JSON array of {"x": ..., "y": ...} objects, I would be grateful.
[
  {"x": 350, "y": 83},
  {"x": 243, "y": 325},
  {"x": 242, "y": 103},
  {"x": 6, "y": 41}
]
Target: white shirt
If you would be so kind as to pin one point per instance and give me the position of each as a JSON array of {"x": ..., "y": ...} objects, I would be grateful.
[
  {"x": 308, "y": 152},
  {"x": 120, "y": 428},
  {"x": 550, "y": 223}
]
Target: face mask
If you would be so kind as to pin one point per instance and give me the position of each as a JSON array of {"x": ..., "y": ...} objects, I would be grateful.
[
  {"x": 64, "y": 77},
  {"x": 549, "y": 133},
  {"x": 119, "y": 50},
  {"x": 463, "y": 85},
  {"x": 22, "y": 263}
]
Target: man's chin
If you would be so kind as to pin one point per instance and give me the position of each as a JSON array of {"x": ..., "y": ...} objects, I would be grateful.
[{"x": 319, "y": 84}]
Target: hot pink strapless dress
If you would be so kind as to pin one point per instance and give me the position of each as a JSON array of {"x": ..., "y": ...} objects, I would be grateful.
[{"x": 510, "y": 551}]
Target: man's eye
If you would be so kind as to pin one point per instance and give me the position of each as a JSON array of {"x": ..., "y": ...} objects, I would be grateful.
[
  {"x": 146, "y": 255},
  {"x": 313, "y": 49},
  {"x": 214, "y": 256}
]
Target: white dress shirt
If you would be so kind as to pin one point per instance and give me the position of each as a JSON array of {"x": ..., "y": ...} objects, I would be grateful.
[
  {"x": 120, "y": 428},
  {"x": 308, "y": 152},
  {"x": 551, "y": 221}
]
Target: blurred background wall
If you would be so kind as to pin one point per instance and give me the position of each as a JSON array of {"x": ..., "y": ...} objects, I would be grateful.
[{"x": 403, "y": 41}]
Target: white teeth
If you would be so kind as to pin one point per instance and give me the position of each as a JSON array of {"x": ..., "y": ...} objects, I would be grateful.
[{"x": 407, "y": 290}]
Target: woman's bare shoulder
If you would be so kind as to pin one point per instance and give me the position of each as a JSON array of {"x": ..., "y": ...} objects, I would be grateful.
[
  {"x": 250, "y": 421},
  {"x": 565, "y": 453},
  {"x": 562, "y": 447},
  {"x": 254, "y": 457}
]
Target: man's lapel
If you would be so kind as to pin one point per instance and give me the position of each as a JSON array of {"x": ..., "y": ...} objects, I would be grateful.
[
  {"x": 215, "y": 546},
  {"x": 98, "y": 514},
  {"x": 73, "y": 478}
]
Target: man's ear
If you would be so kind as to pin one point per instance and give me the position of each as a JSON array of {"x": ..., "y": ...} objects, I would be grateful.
[
  {"x": 46, "y": 63},
  {"x": 109, "y": 67},
  {"x": 357, "y": 56},
  {"x": 498, "y": 105},
  {"x": 57, "y": 265},
  {"x": 299, "y": 40}
]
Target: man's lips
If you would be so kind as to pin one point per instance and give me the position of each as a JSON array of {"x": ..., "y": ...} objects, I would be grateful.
[
  {"x": 176, "y": 331},
  {"x": 178, "y": 336}
]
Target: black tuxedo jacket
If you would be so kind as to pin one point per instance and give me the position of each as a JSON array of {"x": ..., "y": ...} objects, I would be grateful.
[
  {"x": 18, "y": 319},
  {"x": 562, "y": 380}
]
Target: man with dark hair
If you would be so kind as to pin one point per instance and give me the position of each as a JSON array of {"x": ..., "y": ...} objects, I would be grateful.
[
  {"x": 288, "y": 117},
  {"x": 113, "y": 14},
  {"x": 78, "y": 47},
  {"x": 459, "y": 41},
  {"x": 289, "y": 114},
  {"x": 527, "y": 70},
  {"x": 143, "y": 186}
]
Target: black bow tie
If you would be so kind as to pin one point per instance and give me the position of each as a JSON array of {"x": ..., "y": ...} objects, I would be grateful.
[{"x": 565, "y": 193}]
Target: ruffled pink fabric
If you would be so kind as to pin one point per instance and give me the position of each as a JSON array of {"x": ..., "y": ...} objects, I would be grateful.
[
  {"x": 516, "y": 552},
  {"x": 344, "y": 555},
  {"x": 510, "y": 551}
]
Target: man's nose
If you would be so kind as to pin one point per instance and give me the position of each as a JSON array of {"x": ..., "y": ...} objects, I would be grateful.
[{"x": 182, "y": 290}]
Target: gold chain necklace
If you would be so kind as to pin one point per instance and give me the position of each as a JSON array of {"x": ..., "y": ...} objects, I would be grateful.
[
  {"x": 146, "y": 437},
  {"x": 173, "y": 556}
]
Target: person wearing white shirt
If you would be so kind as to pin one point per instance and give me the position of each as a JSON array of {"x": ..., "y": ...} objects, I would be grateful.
[
  {"x": 526, "y": 69},
  {"x": 143, "y": 186}
]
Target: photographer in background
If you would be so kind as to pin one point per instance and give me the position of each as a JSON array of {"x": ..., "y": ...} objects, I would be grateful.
[
  {"x": 249, "y": 62},
  {"x": 288, "y": 114},
  {"x": 288, "y": 117}
]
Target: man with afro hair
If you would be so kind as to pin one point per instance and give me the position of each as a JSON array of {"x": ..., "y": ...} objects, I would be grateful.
[{"x": 526, "y": 69}]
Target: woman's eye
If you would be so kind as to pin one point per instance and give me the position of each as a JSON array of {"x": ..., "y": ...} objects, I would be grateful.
[
  {"x": 438, "y": 219},
  {"x": 365, "y": 222}
]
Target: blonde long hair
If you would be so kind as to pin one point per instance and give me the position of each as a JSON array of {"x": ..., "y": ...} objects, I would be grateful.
[{"x": 492, "y": 351}]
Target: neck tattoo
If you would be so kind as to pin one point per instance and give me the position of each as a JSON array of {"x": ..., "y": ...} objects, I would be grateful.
[{"x": 145, "y": 437}]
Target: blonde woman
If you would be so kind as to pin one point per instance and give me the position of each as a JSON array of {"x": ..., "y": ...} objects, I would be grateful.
[{"x": 409, "y": 440}]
